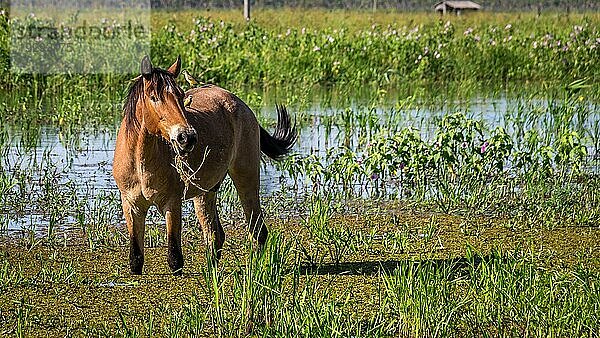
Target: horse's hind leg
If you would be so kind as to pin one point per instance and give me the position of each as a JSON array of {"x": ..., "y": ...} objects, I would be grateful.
[
  {"x": 135, "y": 216},
  {"x": 206, "y": 210},
  {"x": 246, "y": 177}
]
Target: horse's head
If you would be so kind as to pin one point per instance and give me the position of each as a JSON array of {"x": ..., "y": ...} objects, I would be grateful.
[{"x": 162, "y": 100}]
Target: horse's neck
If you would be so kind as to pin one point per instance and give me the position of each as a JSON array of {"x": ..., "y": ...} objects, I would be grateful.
[
  {"x": 146, "y": 144},
  {"x": 155, "y": 170},
  {"x": 146, "y": 148}
]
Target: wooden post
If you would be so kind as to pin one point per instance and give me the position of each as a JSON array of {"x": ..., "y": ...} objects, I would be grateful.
[
  {"x": 247, "y": 10},
  {"x": 374, "y": 6}
]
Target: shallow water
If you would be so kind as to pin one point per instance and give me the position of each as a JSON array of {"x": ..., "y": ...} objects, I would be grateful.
[{"x": 83, "y": 160}]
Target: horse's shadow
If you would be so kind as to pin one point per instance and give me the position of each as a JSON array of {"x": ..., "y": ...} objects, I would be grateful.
[{"x": 366, "y": 268}]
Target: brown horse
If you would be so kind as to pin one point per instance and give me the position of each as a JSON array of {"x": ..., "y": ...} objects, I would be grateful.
[{"x": 215, "y": 134}]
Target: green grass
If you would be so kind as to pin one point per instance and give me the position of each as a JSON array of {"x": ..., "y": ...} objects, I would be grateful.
[
  {"x": 288, "y": 50},
  {"x": 419, "y": 216},
  {"x": 529, "y": 287},
  {"x": 394, "y": 233}
]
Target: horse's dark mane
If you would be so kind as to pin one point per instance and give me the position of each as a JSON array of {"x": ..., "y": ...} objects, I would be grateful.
[{"x": 161, "y": 79}]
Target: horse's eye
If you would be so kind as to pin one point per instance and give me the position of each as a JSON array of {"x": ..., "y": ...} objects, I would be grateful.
[{"x": 153, "y": 98}]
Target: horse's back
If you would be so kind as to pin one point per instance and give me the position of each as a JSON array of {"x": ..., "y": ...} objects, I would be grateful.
[
  {"x": 226, "y": 127},
  {"x": 211, "y": 99},
  {"x": 224, "y": 111}
]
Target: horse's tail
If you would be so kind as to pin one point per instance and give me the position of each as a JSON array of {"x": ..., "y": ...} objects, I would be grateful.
[{"x": 280, "y": 143}]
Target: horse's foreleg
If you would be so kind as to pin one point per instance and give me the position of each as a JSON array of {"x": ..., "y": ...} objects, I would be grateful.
[
  {"x": 172, "y": 214},
  {"x": 135, "y": 216},
  {"x": 206, "y": 211}
]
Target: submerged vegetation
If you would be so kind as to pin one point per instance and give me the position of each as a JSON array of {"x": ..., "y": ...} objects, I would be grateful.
[{"x": 431, "y": 194}]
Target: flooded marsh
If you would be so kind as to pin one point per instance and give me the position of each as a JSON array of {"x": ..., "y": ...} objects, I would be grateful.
[
  {"x": 369, "y": 250},
  {"x": 421, "y": 199}
]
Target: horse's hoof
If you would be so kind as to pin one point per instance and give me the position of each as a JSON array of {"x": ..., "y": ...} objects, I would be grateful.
[
  {"x": 176, "y": 264},
  {"x": 214, "y": 256}
]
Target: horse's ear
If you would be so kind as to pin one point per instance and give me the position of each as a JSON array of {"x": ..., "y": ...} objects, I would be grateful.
[
  {"x": 176, "y": 67},
  {"x": 146, "y": 67}
]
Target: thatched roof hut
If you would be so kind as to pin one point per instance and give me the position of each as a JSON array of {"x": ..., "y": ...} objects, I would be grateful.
[{"x": 456, "y": 6}]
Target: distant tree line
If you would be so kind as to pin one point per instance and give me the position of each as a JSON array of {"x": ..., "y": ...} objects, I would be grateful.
[
  {"x": 493, "y": 5},
  {"x": 408, "y": 5}
]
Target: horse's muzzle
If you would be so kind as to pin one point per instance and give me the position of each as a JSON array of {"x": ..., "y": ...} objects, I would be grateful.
[{"x": 184, "y": 141}]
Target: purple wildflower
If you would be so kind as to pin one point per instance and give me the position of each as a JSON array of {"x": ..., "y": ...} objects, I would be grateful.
[
  {"x": 374, "y": 176},
  {"x": 484, "y": 146}
]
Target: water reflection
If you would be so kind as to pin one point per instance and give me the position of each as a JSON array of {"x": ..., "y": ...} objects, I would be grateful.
[{"x": 83, "y": 159}]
